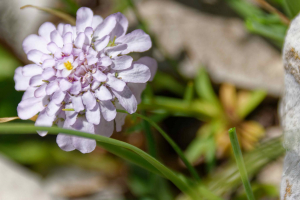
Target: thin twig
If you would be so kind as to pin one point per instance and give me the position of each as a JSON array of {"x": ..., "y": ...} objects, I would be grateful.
[{"x": 272, "y": 9}]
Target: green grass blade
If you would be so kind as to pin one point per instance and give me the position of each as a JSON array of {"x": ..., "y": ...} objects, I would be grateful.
[
  {"x": 240, "y": 163},
  {"x": 129, "y": 156},
  {"x": 166, "y": 172},
  {"x": 171, "y": 142}
]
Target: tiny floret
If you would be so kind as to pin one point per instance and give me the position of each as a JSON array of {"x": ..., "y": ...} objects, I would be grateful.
[
  {"x": 68, "y": 65},
  {"x": 81, "y": 74}
]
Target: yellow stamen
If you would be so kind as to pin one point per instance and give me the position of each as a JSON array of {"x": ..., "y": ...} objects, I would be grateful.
[{"x": 68, "y": 65}]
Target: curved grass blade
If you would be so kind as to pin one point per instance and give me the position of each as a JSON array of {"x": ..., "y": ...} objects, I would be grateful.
[
  {"x": 52, "y": 11},
  {"x": 171, "y": 142},
  {"x": 166, "y": 172}
]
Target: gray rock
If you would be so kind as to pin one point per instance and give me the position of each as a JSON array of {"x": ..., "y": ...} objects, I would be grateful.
[
  {"x": 18, "y": 183},
  {"x": 220, "y": 44},
  {"x": 79, "y": 184},
  {"x": 290, "y": 113}
]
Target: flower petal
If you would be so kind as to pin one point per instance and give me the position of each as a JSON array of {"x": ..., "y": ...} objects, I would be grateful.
[
  {"x": 116, "y": 50},
  {"x": 91, "y": 59},
  {"x": 68, "y": 38},
  {"x": 67, "y": 49},
  {"x": 29, "y": 107},
  {"x": 137, "y": 90},
  {"x": 105, "y": 128},
  {"x": 48, "y": 63},
  {"x": 96, "y": 21},
  {"x": 89, "y": 100},
  {"x": 36, "y": 80},
  {"x": 77, "y": 102},
  {"x": 35, "y": 56},
  {"x": 65, "y": 142},
  {"x": 41, "y": 91},
  {"x": 58, "y": 97},
  {"x": 108, "y": 110},
  {"x": 84, "y": 18},
  {"x": 64, "y": 85},
  {"x": 29, "y": 93},
  {"x": 60, "y": 28},
  {"x": 21, "y": 81},
  {"x": 102, "y": 43},
  {"x": 138, "y": 73},
  {"x": 93, "y": 116},
  {"x": 76, "y": 88},
  {"x": 45, "y": 30},
  {"x": 80, "y": 39},
  {"x": 52, "y": 108},
  {"x": 82, "y": 144},
  {"x": 115, "y": 83},
  {"x": 52, "y": 87},
  {"x": 44, "y": 120},
  {"x": 31, "y": 70},
  {"x": 121, "y": 26},
  {"x": 70, "y": 115},
  {"x": 149, "y": 62},
  {"x": 137, "y": 41},
  {"x": 100, "y": 76},
  {"x": 67, "y": 30},
  {"x": 121, "y": 62},
  {"x": 120, "y": 118},
  {"x": 126, "y": 99},
  {"x": 56, "y": 38},
  {"x": 105, "y": 61},
  {"x": 33, "y": 41},
  {"x": 103, "y": 93},
  {"x": 105, "y": 27},
  {"x": 48, "y": 73}
]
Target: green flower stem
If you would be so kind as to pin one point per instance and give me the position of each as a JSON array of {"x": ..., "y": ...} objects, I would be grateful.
[
  {"x": 240, "y": 163},
  {"x": 30, "y": 129},
  {"x": 171, "y": 142}
]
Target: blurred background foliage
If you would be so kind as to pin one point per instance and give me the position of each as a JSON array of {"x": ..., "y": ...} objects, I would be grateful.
[{"x": 195, "y": 112}]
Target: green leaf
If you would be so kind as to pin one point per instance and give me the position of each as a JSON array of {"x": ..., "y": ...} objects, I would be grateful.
[
  {"x": 204, "y": 88},
  {"x": 292, "y": 7}
]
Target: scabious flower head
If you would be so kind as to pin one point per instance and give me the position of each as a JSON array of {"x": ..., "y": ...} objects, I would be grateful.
[{"x": 82, "y": 74}]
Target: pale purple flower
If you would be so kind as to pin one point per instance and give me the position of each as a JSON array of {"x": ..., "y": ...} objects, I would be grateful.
[{"x": 81, "y": 75}]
